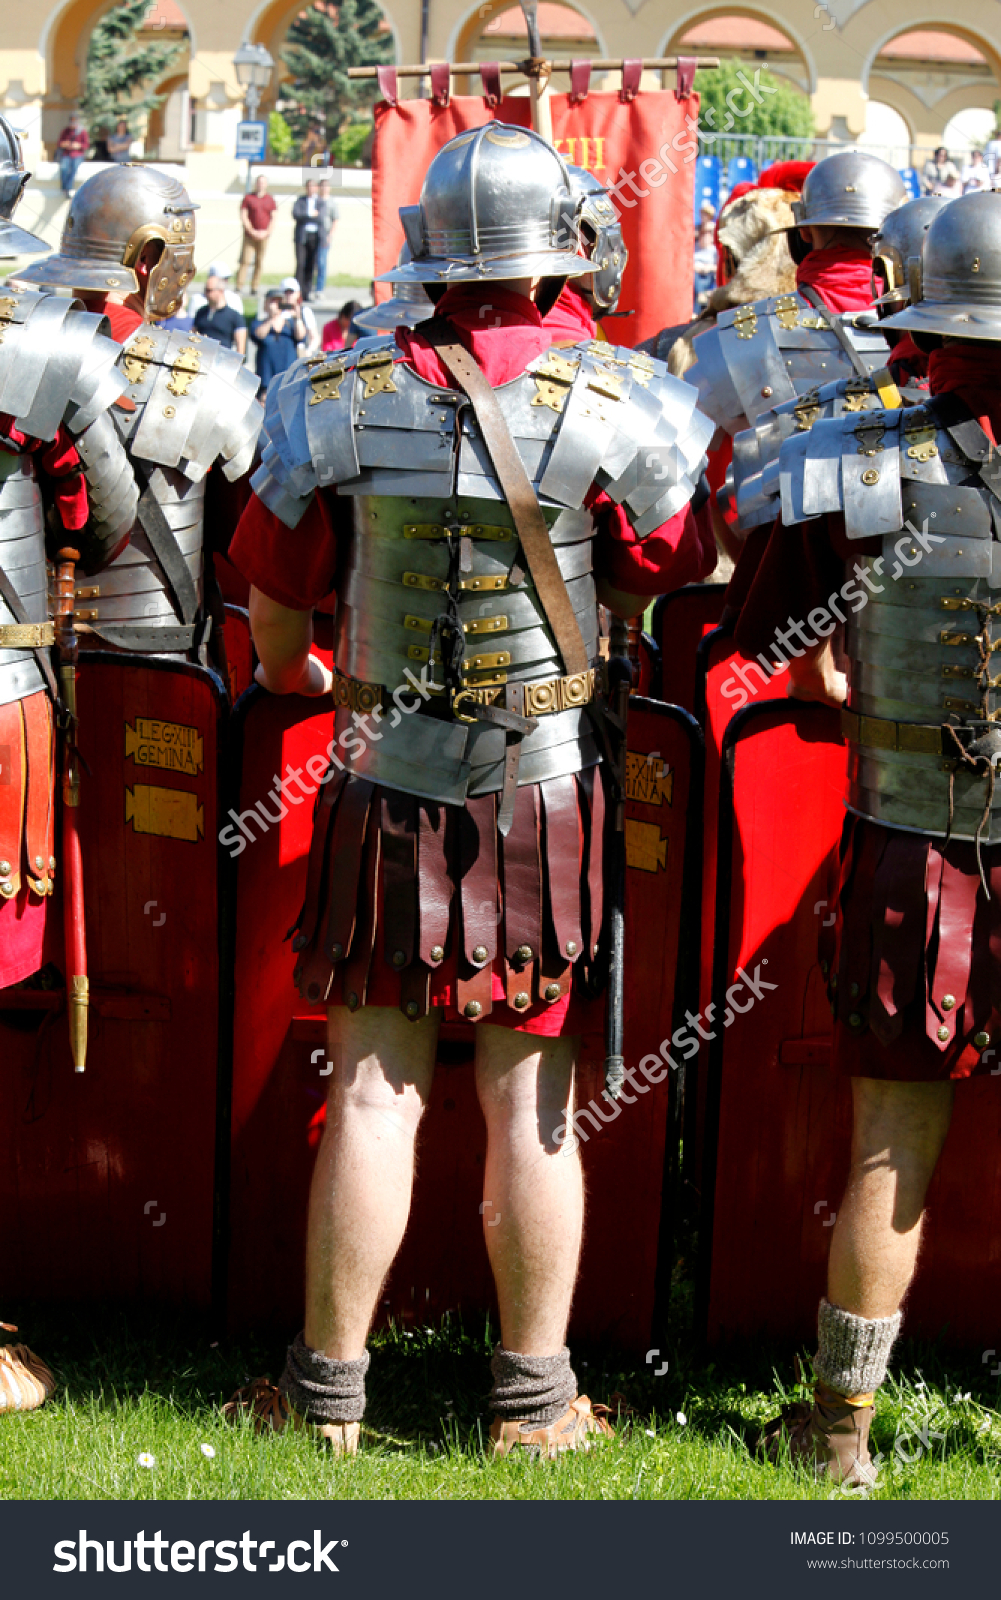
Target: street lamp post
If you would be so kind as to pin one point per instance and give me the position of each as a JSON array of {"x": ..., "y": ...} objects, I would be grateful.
[{"x": 253, "y": 64}]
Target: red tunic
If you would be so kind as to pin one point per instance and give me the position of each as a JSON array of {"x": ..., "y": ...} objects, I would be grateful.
[{"x": 297, "y": 568}]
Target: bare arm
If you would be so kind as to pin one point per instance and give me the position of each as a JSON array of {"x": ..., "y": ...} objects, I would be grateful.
[
  {"x": 240, "y": 340},
  {"x": 282, "y": 638},
  {"x": 813, "y": 676}
]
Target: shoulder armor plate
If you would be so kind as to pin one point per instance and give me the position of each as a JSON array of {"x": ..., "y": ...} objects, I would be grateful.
[
  {"x": 56, "y": 364},
  {"x": 195, "y": 402}
]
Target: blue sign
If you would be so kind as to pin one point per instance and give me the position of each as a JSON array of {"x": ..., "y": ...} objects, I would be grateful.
[{"x": 251, "y": 141}]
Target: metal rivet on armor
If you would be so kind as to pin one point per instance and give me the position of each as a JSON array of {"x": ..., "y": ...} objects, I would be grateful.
[
  {"x": 552, "y": 991},
  {"x": 766, "y": 393},
  {"x": 337, "y": 952},
  {"x": 168, "y": 411},
  {"x": 352, "y": 1001},
  {"x": 437, "y": 953},
  {"x": 472, "y": 1009},
  {"x": 943, "y": 1034},
  {"x": 870, "y": 476},
  {"x": 480, "y": 953},
  {"x": 521, "y": 1001},
  {"x": 412, "y": 1010},
  {"x": 854, "y": 1020},
  {"x": 112, "y": 283},
  {"x": 981, "y": 1040},
  {"x": 399, "y": 958},
  {"x": 975, "y": 267},
  {"x": 4, "y": 869},
  {"x": 948, "y": 1001},
  {"x": 39, "y": 863},
  {"x": 523, "y": 953},
  {"x": 571, "y": 947},
  {"x": 853, "y": 990},
  {"x": 52, "y": 863},
  {"x": 162, "y": 284},
  {"x": 172, "y": 306}
]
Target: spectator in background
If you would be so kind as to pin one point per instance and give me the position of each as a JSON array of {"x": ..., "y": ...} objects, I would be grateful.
[
  {"x": 257, "y": 216},
  {"x": 976, "y": 173},
  {"x": 292, "y": 301},
  {"x": 330, "y": 216},
  {"x": 217, "y": 269},
  {"x": 73, "y": 144},
  {"x": 704, "y": 260},
  {"x": 940, "y": 175},
  {"x": 277, "y": 335},
  {"x": 992, "y": 153},
  {"x": 119, "y": 143},
  {"x": 338, "y": 333},
  {"x": 217, "y": 320},
  {"x": 307, "y": 214}
]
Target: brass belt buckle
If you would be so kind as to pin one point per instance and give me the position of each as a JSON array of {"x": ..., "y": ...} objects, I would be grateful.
[{"x": 463, "y": 694}]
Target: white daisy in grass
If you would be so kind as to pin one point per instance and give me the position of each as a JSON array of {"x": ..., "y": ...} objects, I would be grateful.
[
  {"x": 146, "y": 1460},
  {"x": 681, "y": 1420},
  {"x": 208, "y": 1451}
]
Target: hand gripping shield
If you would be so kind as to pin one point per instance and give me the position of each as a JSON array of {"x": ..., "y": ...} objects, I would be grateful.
[
  {"x": 111, "y": 217},
  {"x": 496, "y": 204}
]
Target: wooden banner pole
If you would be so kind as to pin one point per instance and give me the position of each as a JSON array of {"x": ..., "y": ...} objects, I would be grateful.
[{"x": 465, "y": 69}]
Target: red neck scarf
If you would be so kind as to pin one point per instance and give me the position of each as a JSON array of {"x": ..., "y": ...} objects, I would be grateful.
[
  {"x": 842, "y": 277},
  {"x": 570, "y": 320},
  {"x": 970, "y": 369},
  {"x": 502, "y": 331}
]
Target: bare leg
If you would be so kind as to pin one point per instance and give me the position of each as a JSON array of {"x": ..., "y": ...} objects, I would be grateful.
[
  {"x": 898, "y": 1135},
  {"x": 531, "y": 1184},
  {"x": 360, "y": 1196}
]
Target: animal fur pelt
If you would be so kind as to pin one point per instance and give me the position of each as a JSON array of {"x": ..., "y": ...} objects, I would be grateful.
[{"x": 750, "y": 230}]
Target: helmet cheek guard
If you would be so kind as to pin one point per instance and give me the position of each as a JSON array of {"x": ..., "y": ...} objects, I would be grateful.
[{"x": 174, "y": 268}]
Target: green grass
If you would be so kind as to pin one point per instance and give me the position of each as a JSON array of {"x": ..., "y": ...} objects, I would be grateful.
[{"x": 139, "y": 1382}]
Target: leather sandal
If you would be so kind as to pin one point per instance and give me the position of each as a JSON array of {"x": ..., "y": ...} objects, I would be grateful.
[
  {"x": 25, "y": 1381},
  {"x": 581, "y": 1427},
  {"x": 831, "y": 1436},
  {"x": 271, "y": 1412}
]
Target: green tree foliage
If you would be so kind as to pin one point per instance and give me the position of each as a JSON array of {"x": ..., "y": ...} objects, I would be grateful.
[
  {"x": 323, "y": 42},
  {"x": 119, "y": 66},
  {"x": 739, "y": 98},
  {"x": 280, "y": 141}
]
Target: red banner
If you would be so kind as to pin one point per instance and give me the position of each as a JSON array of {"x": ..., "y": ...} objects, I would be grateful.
[{"x": 643, "y": 148}]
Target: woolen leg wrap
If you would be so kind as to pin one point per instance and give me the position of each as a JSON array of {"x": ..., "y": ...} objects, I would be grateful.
[
  {"x": 853, "y": 1352},
  {"x": 322, "y": 1389},
  {"x": 532, "y": 1388}
]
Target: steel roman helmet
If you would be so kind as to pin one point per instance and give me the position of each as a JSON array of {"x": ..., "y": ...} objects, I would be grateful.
[
  {"x": 601, "y": 238},
  {"x": 14, "y": 241},
  {"x": 957, "y": 289},
  {"x": 496, "y": 203},
  {"x": 849, "y": 190},
  {"x": 111, "y": 217},
  {"x": 896, "y": 242}
]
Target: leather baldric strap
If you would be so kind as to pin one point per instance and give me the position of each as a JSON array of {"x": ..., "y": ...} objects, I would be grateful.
[
  {"x": 12, "y": 600},
  {"x": 837, "y": 328},
  {"x": 180, "y": 584},
  {"x": 521, "y": 498}
]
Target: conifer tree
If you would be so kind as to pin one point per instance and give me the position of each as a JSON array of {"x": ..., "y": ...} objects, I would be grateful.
[
  {"x": 119, "y": 66},
  {"x": 319, "y": 98}
]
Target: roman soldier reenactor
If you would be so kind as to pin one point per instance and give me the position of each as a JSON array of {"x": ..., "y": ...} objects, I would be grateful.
[
  {"x": 127, "y": 250},
  {"x": 469, "y": 491},
  {"x": 905, "y": 512},
  {"x": 66, "y": 490}
]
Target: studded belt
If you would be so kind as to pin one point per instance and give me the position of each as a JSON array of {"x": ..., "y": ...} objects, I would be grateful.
[
  {"x": 879, "y": 733},
  {"x": 543, "y": 698}
]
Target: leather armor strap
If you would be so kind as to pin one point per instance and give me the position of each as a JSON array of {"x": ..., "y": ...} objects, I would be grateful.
[
  {"x": 150, "y": 640},
  {"x": 399, "y": 877},
  {"x": 880, "y": 734},
  {"x": 12, "y": 600},
  {"x": 478, "y": 898},
  {"x": 521, "y": 498},
  {"x": 435, "y": 884},
  {"x": 559, "y": 800},
  {"x": 521, "y": 867},
  {"x": 836, "y": 328},
  {"x": 13, "y": 779},
  {"x": 180, "y": 585},
  {"x": 38, "y": 811}
]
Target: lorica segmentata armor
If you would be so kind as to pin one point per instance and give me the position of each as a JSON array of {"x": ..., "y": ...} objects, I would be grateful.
[
  {"x": 433, "y": 541},
  {"x": 924, "y": 617}
]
